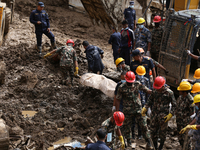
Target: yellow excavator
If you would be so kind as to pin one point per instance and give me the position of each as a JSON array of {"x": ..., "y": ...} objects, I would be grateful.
[{"x": 6, "y": 15}]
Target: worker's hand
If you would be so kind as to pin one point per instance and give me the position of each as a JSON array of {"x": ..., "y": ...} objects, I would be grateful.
[
  {"x": 168, "y": 117},
  {"x": 38, "y": 22},
  {"x": 188, "y": 52},
  {"x": 148, "y": 54},
  {"x": 183, "y": 80},
  {"x": 144, "y": 110},
  {"x": 48, "y": 30},
  {"x": 113, "y": 109},
  {"x": 135, "y": 27},
  {"x": 194, "y": 127},
  {"x": 122, "y": 142},
  {"x": 76, "y": 72},
  {"x": 47, "y": 55}
]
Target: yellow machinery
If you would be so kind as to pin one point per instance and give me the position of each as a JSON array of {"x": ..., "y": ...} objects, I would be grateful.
[{"x": 182, "y": 4}]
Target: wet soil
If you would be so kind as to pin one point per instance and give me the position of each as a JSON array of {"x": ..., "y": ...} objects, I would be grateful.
[{"x": 34, "y": 84}]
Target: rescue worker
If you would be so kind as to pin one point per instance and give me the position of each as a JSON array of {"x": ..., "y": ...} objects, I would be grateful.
[
  {"x": 100, "y": 144},
  {"x": 93, "y": 53},
  {"x": 143, "y": 36},
  {"x": 114, "y": 123},
  {"x": 156, "y": 35},
  {"x": 195, "y": 124},
  {"x": 129, "y": 92},
  {"x": 157, "y": 64},
  {"x": 193, "y": 56},
  {"x": 195, "y": 89},
  {"x": 196, "y": 76},
  {"x": 127, "y": 42},
  {"x": 130, "y": 16},
  {"x": 159, "y": 101},
  {"x": 184, "y": 108},
  {"x": 121, "y": 66},
  {"x": 140, "y": 72},
  {"x": 123, "y": 74},
  {"x": 68, "y": 61},
  {"x": 115, "y": 41},
  {"x": 139, "y": 59},
  {"x": 40, "y": 19}
]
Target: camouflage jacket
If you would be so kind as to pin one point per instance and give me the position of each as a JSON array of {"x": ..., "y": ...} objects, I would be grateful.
[
  {"x": 142, "y": 38},
  {"x": 184, "y": 109},
  {"x": 68, "y": 56},
  {"x": 108, "y": 125},
  {"x": 159, "y": 102},
  {"x": 131, "y": 97},
  {"x": 156, "y": 39}
]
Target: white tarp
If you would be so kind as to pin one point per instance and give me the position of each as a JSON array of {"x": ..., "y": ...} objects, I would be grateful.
[{"x": 100, "y": 82}]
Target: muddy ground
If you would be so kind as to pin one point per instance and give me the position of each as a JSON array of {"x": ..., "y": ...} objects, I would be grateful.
[{"x": 34, "y": 84}]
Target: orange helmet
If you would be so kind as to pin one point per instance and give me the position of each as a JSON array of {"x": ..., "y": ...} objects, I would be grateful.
[
  {"x": 159, "y": 82},
  {"x": 70, "y": 41},
  {"x": 130, "y": 77},
  {"x": 119, "y": 118},
  {"x": 141, "y": 50}
]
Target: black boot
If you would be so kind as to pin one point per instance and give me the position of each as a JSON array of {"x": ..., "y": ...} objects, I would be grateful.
[
  {"x": 155, "y": 143},
  {"x": 161, "y": 145},
  {"x": 53, "y": 45}
]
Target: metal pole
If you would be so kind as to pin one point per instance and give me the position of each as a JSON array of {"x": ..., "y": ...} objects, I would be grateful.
[
  {"x": 188, "y": 4},
  {"x": 146, "y": 9}
]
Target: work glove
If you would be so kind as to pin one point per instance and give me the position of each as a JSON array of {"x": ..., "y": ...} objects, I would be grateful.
[
  {"x": 76, "y": 72},
  {"x": 122, "y": 142},
  {"x": 47, "y": 55},
  {"x": 168, "y": 117},
  {"x": 113, "y": 108},
  {"x": 144, "y": 110},
  {"x": 148, "y": 54},
  {"x": 184, "y": 80},
  {"x": 194, "y": 127},
  {"x": 188, "y": 52}
]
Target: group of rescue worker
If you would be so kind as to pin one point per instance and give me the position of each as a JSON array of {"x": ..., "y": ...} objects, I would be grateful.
[{"x": 139, "y": 89}]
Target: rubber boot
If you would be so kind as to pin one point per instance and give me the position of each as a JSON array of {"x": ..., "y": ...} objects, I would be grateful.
[
  {"x": 155, "y": 143},
  {"x": 161, "y": 145},
  {"x": 53, "y": 45}
]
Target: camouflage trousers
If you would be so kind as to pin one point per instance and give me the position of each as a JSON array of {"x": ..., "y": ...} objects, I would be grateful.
[
  {"x": 182, "y": 123},
  {"x": 142, "y": 121},
  {"x": 158, "y": 128},
  {"x": 67, "y": 72}
]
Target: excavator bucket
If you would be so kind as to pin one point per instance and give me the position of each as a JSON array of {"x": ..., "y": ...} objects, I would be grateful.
[{"x": 108, "y": 12}]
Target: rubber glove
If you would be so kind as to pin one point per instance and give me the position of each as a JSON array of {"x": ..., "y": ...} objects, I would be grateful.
[
  {"x": 47, "y": 55},
  {"x": 148, "y": 54},
  {"x": 122, "y": 142},
  {"x": 188, "y": 52},
  {"x": 76, "y": 72},
  {"x": 194, "y": 127},
  {"x": 144, "y": 110},
  {"x": 113, "y": 108},
  {"x": 168, "y": 117}
]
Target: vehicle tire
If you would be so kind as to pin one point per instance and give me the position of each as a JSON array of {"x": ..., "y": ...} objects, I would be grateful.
[
  {"x": 7, "y": 20},
  {"x": 2, "y": 30}
]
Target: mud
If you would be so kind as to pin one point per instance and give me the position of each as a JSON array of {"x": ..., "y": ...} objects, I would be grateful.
[{"x": 34, "y": 84}]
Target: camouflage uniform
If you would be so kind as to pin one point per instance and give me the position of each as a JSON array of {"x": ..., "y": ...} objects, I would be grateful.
[
  {"x": 108, "y": 126},
  {"x": 159, "y": 103},
  {"x": 156, "y": 42},
  {"x": 67, "y": 60},
  {"x": 126, "y": 68},
  {"x": 132, "y": 108},
  {"x": 196, "y": 133},
  {"x": 142, "y": 38},
  {"x": 183, "y": 112}
]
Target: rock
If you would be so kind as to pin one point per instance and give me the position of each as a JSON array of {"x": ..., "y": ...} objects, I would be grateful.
[
  {"x": 2, "y": 72},
  {"x": 85, "y": 123},
  {"x": 168, "y": 146},
  {"x": 17, "y": 131}
]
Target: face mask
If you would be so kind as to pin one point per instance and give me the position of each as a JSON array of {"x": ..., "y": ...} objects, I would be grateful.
[
  {"x": 197, "y": 108},
  {"x": 141, "y": 26},
  {"x": 123, "y": 81},
  {"x": 140, "y": 77},
  {"x": 131, "y": 6}
]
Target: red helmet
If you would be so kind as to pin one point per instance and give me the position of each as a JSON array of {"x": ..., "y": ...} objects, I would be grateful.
[
  {"x": 130, "y": 77},
  {"x": 70, "y": 41},
  {"x": 119, "y": 118},
  {"x": 159, "y": 82},
  {"x": 157, "y": 19}
]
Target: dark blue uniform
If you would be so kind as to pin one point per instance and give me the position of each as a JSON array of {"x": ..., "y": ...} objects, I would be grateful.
[
  {"x": 99, "y": 145},
  {"x": 146, "y": 62},
  {"x": 115, "y": 41},
  {"x": 94, "y": 60},
  {"x": 126, "y": 44},
  {"x": 130, "y": 16},
  {"x": 41, "y": 16}
]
